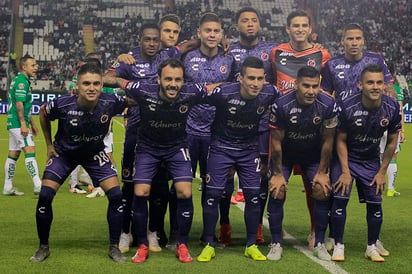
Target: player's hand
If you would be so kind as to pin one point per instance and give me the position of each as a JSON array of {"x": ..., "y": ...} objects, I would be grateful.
[
  {"x": 324, "y": 180},
  {"x": 225, "y": 45},
  {"x": 51, "y": 152},
  {"x": 318, "y": 46},
  {"x": 379, "y": 180},
  {"x": 126, "y": 58},
  {"x": 277, "y": 186},
  {"x": 402, "y": 137},
  {"x": 24, "y": 130},
  {"x": 343, "y": 183}
]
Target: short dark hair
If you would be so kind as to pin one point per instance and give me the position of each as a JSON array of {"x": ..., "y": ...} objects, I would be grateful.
[
  {"x": 148, "y": 26},
  {"x": 309, "y": 72},
  {"x": 24, "y": 59},
  {"x": 209, "y": 17},
  {"x": 90, "y": 67},
  {"x": 251, "y": 62},
  {"x": 171, "y": 17},
  {"x": 246, "y": 9},
  {"x": 371, "y": 68},
  {"x": 93, "y": 55},
  {"x": 296, "y": 13},
  {"x": 352, "y": 26},
  {"x": 173, "y": 62}
]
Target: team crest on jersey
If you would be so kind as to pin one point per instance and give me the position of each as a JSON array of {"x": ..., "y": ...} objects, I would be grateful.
[
  {"x": 311, "y": 63},
  {"x": 126, "y": 172},
  {"x": 183, "y": 109},
  {"x": 384, "y": 122},
  {"x": 272, "y": 118},
  {"x": 316, "y": 120},
  {"x": 223, "y": 69},
  {"x": 104, "y": 118},
  {"x": 260, "y": 110},
  {"x": 264, "y": 56},
  {"x": 20, "y": 86}
]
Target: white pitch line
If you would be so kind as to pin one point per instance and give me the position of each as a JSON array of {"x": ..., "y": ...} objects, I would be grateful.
[{"x": 332, "y": 267}]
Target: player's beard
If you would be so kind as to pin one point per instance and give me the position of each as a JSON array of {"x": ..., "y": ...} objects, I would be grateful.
[{"x": 249, "y": 38}]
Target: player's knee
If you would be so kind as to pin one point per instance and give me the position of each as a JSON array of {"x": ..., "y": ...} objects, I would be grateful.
[
  {"x": 46, "y": 195},
  {"x": 114, "y": 194},
  {"x": 318, "y": 192}
]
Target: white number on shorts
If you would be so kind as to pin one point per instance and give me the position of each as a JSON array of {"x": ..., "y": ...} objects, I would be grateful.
[
  {"x": 257, "y": 162},
  {"x": 102, "y": 158}
]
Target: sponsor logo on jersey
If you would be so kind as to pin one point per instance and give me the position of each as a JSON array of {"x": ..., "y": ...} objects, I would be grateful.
[
  {"x": 360, "y": 113},
  {"x": 237, "y": 102},
  {"x": 264, "y": 56},
  {"x": 342, "y": 66}
]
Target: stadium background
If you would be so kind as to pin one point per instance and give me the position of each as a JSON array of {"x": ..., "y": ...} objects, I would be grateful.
[{"x": 59, "y": 34}]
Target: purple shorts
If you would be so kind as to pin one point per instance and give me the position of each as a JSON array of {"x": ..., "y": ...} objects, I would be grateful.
[
  {"x": 98, "y": 166},
  {"x": 363, "y": 172},
  {"x": 246, "y": 162},
  {"x": 148, "y": 161},
  {"x": 308, "y": 169}
]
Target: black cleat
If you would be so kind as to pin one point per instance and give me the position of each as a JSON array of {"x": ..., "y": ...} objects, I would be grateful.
[
  {"x": 116, "y": 255},
  {"x": 41, "y": 254}
]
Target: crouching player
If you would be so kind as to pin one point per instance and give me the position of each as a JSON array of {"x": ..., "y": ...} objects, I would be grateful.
[
  {"x": 84, "y": 120},
  {"x": 302, "y": 125}
]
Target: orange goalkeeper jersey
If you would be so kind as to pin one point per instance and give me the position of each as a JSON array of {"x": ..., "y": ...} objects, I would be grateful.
[{"x": 286, "y": 62}]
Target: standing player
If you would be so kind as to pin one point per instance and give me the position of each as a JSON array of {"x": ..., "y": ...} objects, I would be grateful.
[
  {"x": 207, "y": 64},
  {"x": 84, "y": 120},
  {"x": 239, "y": 109},
  {"x": 363, "y": 119},
  {"x": 287, "y": 59},
  {"x": 302, "y": 122},
  {"x": 393, "y": 166},
  {"x": 248, "y": 25},
  {"x": 19, "y": 121},
  {"x": 341, "y": 74},
  {"x": 162, "y": 139}
]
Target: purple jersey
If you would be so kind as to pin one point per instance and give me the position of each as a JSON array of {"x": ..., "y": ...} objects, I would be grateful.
[
  {"x": 262, "y": 50},
  {"x": 163, "y": 124},
  {"x": 302, "y": 124},
  {"x": 144, "y": 69},
  {"x": 342, "y": 76},
  {"x": 365, "y": 128},
  {"x": 81, "y": 132},
  {"x": 200, "y": 68},
  {"x": 237, "y": 119}
]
